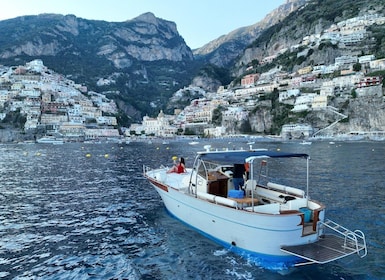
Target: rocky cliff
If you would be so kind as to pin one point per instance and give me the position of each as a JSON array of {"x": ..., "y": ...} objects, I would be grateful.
[
  {"x": 365, "y": 113},
  {"x": 144, "y": 38},
  {"x": 144, "y": 56},
  {"x": 312, "y": 19},
  {"x": 225, "y": 49}
]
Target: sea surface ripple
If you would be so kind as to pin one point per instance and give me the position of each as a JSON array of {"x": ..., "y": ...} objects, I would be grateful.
[{"x": 84, "y": 211}]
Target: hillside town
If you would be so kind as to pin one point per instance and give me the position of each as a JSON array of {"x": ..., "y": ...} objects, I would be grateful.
[
  {"x": 56, "y": 105},
  {"x": 349, "y": 74}
]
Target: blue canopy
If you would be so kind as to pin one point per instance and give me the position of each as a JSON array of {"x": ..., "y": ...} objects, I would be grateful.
[{"x": 232, "y": 157}]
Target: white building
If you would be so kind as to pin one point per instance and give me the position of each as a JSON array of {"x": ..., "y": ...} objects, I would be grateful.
[
  {"x": 29, "y": 93},
  {"x": 319, "y": 102},
  {"x": 296, "y": 131},
  {"x": 36, "y": 65},
  {"x": 159, "y": 126},
  {"x": 289, "y": 94},
  {"x": 303, "y": 102},
  {"x": 4, "y": 97},
  {"x": 104, "y": 120},
  {"x": 366, "y": 58},
  {"x": 327, "y": 88},
  {"x": 347, "y": 81},
  {"x": 234, "y": 113},
  {"x": 215, "y": 131},
  {"x": 345, "y": 59},
  {"x": 378, "y": 64}
]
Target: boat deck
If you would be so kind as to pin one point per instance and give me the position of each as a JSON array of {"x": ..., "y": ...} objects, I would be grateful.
[{"x": 327, "y": 249}]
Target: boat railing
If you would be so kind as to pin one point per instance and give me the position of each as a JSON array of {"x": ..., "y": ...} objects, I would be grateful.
[
  {"x": 354, "y": 239},
  {"x": 146, "y": 169},
  {"x": 146, "y": 172}
]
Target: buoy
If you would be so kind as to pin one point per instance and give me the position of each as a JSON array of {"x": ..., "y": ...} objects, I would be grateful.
[
  {"x": 106, "y": 155},
  {"x": 174, "y": 158},
  {"x": 88, "y": 155},
  {"x": 167, "y": 148},
  {"x": 278, "y": 149},
  {"x": 157, "y": 148},
  {"x": 38, "y": 154}
]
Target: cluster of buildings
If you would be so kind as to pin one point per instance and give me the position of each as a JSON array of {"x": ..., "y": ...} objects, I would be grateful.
[
  {"x": 54, "y": 104},
  {"x": 345, "y": 33},
  {"x": 320, "y": 82}
]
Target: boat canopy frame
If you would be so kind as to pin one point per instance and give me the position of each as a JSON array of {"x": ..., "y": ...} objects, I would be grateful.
[
  {"x": 242, "y": 156},
  {"x": 247, "y": 156}
]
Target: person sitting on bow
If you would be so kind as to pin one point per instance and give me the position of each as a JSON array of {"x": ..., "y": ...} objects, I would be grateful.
[{"x": 179, "y": 167}]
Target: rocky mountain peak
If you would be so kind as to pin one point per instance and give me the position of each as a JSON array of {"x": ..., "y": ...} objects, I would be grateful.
[
  {"x": 234, "y": 43},
  {"x": 145, "y": 55},
  {"x": 150, "y": 18}
]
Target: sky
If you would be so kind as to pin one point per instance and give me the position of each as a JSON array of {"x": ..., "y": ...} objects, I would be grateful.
[{"x": 198, "y": 21}]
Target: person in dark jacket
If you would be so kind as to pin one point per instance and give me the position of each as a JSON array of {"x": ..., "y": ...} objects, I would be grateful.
[{"x": 239, "y": 171}]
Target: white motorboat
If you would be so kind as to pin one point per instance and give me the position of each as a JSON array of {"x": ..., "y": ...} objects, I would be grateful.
[
  {"x": 276, "y": 225},
  {"x": 50, "y": 139},
  {"x": 305, "y": 142}
]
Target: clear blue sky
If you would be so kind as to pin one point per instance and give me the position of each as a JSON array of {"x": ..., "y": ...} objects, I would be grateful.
[{"x": 198, "y": 21}]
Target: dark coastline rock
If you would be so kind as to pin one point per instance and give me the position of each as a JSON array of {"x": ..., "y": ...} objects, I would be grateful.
[{"x": 9, "y": 135}]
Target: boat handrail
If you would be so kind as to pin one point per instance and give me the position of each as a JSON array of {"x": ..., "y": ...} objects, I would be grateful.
[
  {"x": 357, "y": 236},
  {"x": 361, "y": 235},
  {"x": 146, "y": 169}
]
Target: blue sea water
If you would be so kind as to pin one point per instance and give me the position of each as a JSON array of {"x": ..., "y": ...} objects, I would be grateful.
[{"x": 66, "y": 215}]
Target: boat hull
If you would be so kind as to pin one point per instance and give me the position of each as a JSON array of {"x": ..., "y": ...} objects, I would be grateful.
[
  {"x": 273, "y": 225},
  {"x": 256, "y": 236}
]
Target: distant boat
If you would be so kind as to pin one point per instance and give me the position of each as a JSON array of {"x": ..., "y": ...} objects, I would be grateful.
[
  {"x": 194, "y": 143},
  {"x": 305, "y": 142},
  {"x": 278, "y": 225},
  {"x": 50, "y": 139}
]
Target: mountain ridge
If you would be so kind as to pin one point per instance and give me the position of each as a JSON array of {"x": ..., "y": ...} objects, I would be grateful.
[
  {"x": 145, "y": 56},
  {"x": 141, "y": 62},
  {"x": 240, "y": 38}
]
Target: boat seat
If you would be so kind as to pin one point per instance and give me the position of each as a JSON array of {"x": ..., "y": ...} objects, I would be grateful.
[
  {"x": 296, "y": 204},
  {"x": 270, "y": 195}
]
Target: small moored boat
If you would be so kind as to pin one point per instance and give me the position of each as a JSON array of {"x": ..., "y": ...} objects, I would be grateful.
[
  {"x": 50, "y": 139},
  {"x": 305, "y": 142},
  {"x": 276, "y": 225}
]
